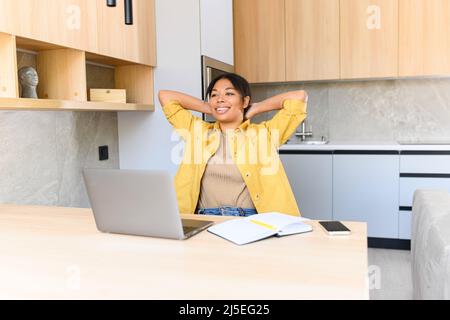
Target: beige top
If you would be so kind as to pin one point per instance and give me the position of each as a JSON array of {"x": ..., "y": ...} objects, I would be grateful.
[{"x": 222, "y": 183}]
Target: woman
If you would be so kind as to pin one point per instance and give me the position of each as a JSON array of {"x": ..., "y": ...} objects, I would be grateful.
[{"x": 231, "y": 166}]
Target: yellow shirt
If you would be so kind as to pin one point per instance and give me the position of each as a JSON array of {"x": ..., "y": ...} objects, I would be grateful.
[{"x": 254, "y": 152}]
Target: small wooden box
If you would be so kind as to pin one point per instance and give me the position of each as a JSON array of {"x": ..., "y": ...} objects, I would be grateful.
[{"x": 108, "y": 95}]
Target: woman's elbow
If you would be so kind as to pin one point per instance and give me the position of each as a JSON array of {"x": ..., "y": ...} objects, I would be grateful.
[
  {"x": 299, "y": 95},
  {"x": 303, "y": 95},
  {"x": 163, "y": 97}
]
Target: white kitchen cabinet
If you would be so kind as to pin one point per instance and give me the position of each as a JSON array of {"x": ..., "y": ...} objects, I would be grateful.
[
  {"x": 404, "y": 225},
  {"x": 216, "y": 22},
  {"x": 428, "y": 162},
  {"x": 372, "y": 186},
  {"x": 408, "y": 185},
  {"x": 365, "y": 188},
  {"x": 310, "y": 176},
  {"x": 420, "y": 170}
]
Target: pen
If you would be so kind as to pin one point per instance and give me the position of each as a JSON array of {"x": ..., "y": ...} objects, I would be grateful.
[{"x": 265, "y": 225}]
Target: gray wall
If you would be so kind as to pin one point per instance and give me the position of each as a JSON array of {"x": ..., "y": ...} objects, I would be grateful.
[
  {"x": 145, "y": 140},
  {"x": 43, "y": 153},
  {"x": 372, "y": 111}
]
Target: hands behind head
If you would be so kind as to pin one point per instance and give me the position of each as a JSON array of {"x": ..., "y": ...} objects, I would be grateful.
[
  {"x": 207, "y": 108},
  {"x": 251, "y": 111},
  {"x": 299, "y": 95}
]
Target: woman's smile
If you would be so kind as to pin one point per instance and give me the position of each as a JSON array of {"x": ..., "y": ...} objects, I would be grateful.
[{"x": 222, "y": 110}]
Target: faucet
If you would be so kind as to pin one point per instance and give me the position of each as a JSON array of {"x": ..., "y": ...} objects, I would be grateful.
[{"x": 303, "y": 134}]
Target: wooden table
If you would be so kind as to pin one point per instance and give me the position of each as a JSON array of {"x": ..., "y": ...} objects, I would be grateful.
[{"x": 57, "y": 253}]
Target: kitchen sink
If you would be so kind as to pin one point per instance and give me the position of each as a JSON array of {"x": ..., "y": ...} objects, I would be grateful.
[{"x": 312, "y": 142}]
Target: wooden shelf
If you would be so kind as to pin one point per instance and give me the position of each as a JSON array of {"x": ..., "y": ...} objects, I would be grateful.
[
  {"x": 63, "y": 78},
  {"x": 68, "y": 105}
]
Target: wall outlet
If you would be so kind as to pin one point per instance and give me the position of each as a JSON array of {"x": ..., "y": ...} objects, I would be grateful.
[{"x": 103, "y": 153}]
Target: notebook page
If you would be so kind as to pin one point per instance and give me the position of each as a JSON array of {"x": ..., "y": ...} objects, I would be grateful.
[
  {"x": 298, "y": 227},
  {"x": 284, "y": 223},
  {"x": 241, "y": 231},
  {"x": 276, "y": 219}
]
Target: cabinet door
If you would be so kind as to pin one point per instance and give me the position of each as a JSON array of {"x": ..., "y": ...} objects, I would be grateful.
[
  {"x": 312, "y": 40},
  {"x": 369, "y": 38},
  {"x": 130, "y": 42},
  {"x": 216, "y": 21},
  {"x": 365, "y": 188},
  {"x": 409, "y": 185},
  {"x": 404, "y": 225},
  {"x": 87, "y": 25},
  {"x": 310, "y": 176},
  {"x": 9, "y": 87},
  {"x": 71, "y": 23},
  {"x": 424, "y": 37},
  {"x": 425, "y": 163},
  {"x": 259, "y": 40}
]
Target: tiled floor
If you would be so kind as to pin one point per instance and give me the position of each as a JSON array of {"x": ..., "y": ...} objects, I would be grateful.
[{"x": 390, "y": 274}]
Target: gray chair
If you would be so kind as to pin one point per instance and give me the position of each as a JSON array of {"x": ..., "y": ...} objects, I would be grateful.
[{"x": 430, "y": 244}]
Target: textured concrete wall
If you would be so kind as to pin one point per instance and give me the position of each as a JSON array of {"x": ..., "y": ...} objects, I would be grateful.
[{"x": 388, "y": 110}]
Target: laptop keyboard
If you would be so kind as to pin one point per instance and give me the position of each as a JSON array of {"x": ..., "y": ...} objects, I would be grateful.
[
  {"x": 187, "y": 229},
  {"x": 194, "y": 226}
]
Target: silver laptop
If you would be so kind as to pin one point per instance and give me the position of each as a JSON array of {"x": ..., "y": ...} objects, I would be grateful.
[{"x": 138, "y": 202}]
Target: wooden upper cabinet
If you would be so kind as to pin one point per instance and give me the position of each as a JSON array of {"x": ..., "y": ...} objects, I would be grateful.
[
  {"x": 71, "y": 23},
  {"x": 424, "y": 37},
  {"x": 312, "y": 40},
  {"x": 9, "y": 85},
  {"x": 259, "y": 40},
  {"x": 369, "y": 38},
  {"x": 87, "y": 25},
  {"x": 62, "y": 74},
  {"x": 135, "y": 42}
]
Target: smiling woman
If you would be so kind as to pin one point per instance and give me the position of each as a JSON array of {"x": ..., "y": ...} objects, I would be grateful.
[
  {"x": 229, "y": 99},
  {"x": 231, "y": 166}
]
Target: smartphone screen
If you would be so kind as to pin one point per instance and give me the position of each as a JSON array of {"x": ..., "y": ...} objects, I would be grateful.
[{"x": 334, "y": 227}]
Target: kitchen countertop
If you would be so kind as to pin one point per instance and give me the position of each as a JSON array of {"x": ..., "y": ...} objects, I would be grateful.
[{"x": 367, "y": 145}]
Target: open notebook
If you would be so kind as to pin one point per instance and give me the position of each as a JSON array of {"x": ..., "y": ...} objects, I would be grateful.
[{"x": 260, "y": 226}]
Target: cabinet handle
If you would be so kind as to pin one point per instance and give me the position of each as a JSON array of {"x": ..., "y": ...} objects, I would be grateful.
[
  {"x": 128, "y": 12},
  {"x": 128, "y": 6}
]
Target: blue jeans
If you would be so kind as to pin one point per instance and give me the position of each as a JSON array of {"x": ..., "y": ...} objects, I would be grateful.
[{"x": 228, "y": 211}]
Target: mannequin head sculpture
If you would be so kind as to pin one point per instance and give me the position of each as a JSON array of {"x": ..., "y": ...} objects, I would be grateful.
[{"x": 28, "y": 79}]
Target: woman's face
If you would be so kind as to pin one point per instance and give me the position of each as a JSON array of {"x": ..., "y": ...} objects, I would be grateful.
[{"x": 226, "y": 102}]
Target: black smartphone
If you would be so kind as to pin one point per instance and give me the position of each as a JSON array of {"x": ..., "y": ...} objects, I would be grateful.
[{"x": 334, "y": 227}]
